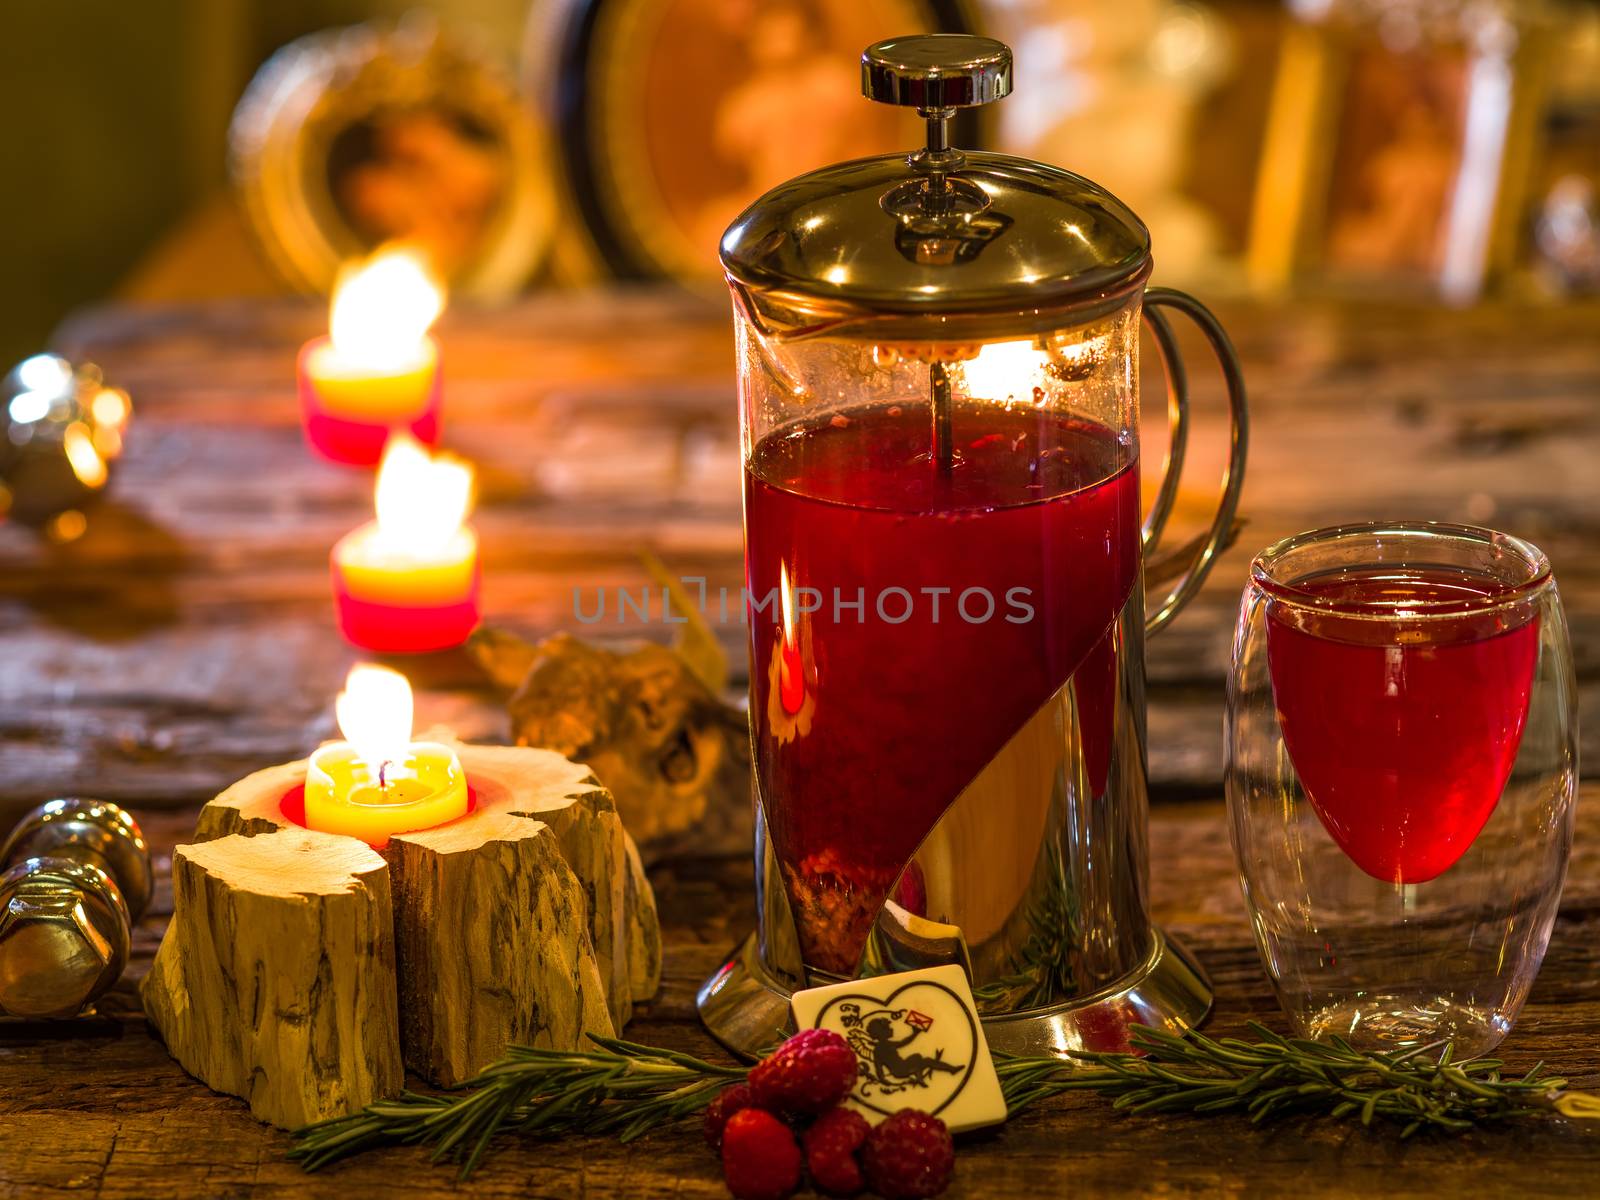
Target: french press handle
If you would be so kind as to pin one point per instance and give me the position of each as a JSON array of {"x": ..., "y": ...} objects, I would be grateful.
[{"x": 1216, "y": 538}]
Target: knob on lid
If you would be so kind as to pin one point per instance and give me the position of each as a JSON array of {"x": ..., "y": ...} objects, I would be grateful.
[
  {"x": 936, "y": 70},
  {"x": 936, "y": 232}
]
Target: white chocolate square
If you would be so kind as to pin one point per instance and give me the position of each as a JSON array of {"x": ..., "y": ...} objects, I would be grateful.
[{"x": 918, "y": 1042}]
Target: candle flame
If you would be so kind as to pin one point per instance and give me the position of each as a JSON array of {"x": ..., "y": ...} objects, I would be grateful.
[
  {"x": 791, "y": 671},
  {"x": 786, "y": 599},
  {"x": 1006, "y": 371},
  {"x": 382, "y": 310},
  {"x": 421, "y": 498},
  {"x": 374, "y": 713}
]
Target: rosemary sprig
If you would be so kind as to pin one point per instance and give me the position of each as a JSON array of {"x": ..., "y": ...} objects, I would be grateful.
[
  {"x": 1043, "y": 968},
  {"x": 619, "y": 1088},
  {"x": 1278, "y": 1077},
  {"x": 625, "y": 1089}
]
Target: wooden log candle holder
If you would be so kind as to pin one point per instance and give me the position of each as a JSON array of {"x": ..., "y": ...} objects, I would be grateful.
[{"x": 306, "y": 971}]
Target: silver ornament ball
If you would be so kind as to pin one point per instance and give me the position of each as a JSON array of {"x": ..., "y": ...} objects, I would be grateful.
[
  {"x": 74, "y": 876},
  {"x": 61, "y": 429}
]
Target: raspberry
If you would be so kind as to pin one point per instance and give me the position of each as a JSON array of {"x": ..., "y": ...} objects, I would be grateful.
[
  {"x": 760, "y": 1158},
  {"x": 726, "y": 1102},
  {"x": 831, "y": 1146},
  {"x": 810, "y": 1073},
  {"x": 909, "y": 1157}
]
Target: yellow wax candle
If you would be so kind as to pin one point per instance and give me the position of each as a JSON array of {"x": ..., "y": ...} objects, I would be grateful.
[
  {"x": 372, "y": 569},
  {"x": 377, "y": 370},
  {"x": 408, "y": 582},
  {"x": 378, "y": 782},
  {"x": 358, "y": 391}
]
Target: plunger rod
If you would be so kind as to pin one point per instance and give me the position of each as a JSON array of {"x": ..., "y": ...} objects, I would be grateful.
[{"x": 943, "y": 435}]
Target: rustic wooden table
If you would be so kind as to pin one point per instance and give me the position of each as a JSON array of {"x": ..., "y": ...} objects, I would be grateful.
[{"x": 187, "y": 640}]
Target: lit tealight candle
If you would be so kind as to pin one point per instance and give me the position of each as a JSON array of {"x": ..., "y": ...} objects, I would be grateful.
[
  {"x": 408, "y": 582},
  {"x": 791, "y": 664},
  {"x": 791, "y": 669},
  {"x": 378, "y": 782},
  {"x": 378, "y": 370}
]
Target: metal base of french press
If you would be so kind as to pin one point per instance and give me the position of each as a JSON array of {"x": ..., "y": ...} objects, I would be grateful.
[{"x": 747, "y": 1010}]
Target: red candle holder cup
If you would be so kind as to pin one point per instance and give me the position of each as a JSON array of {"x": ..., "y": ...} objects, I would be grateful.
[
  {"x": 293, "y": 806},
  {"x": 348, "y": 413},
  {"x": 389, "y": 628},
  {"x": 405, "y": 606}
]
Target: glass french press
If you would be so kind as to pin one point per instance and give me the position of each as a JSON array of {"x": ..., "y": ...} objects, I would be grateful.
[{"x": 938, "y": 388}]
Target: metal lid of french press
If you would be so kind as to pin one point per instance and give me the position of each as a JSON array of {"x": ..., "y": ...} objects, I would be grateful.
[{"x": 942, "y": 230}]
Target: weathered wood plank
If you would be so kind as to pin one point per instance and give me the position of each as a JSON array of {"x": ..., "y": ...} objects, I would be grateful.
[{"x": 138, "y": 1123}]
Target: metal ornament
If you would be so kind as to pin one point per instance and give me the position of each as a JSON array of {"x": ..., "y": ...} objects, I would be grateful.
[
  {"x": 76, "y": 876},
  {"x": 61, "y": 428}
]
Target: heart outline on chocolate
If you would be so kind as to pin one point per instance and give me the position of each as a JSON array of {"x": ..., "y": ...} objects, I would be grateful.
[{"x": 888, "y": 1002}]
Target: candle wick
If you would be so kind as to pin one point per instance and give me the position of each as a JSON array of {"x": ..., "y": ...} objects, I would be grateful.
[{"x": 383, "y": 776}]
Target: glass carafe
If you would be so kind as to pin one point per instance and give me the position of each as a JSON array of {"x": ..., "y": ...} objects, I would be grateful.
[{"x": 938, "y": 384}]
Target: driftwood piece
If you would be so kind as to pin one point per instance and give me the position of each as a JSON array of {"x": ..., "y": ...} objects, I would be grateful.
[
  {"x": 644, "y": 927},
  {"x": 623, "y": 925},
  {"x": 529, "y": 920},
  {"x": 675, "y": 756},
  {"x": 253, "y": 805},
  {"x": 566, "y": 796},
  {"x": 493, "y": 945},
  {"x": 278, "y": 982}
]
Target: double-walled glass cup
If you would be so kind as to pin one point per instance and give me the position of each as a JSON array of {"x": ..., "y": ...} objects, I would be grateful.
[{"x": 1401, "y": 773}]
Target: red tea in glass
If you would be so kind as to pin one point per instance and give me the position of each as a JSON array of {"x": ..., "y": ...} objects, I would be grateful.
[
  {"x": 1403, "y": 731},
  {"x": 1401, "y": 769},
  {"x": 921, "y": 617}
]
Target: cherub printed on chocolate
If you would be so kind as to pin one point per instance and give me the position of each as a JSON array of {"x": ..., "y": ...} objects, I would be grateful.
[{"x": 918, "y": 1044}]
